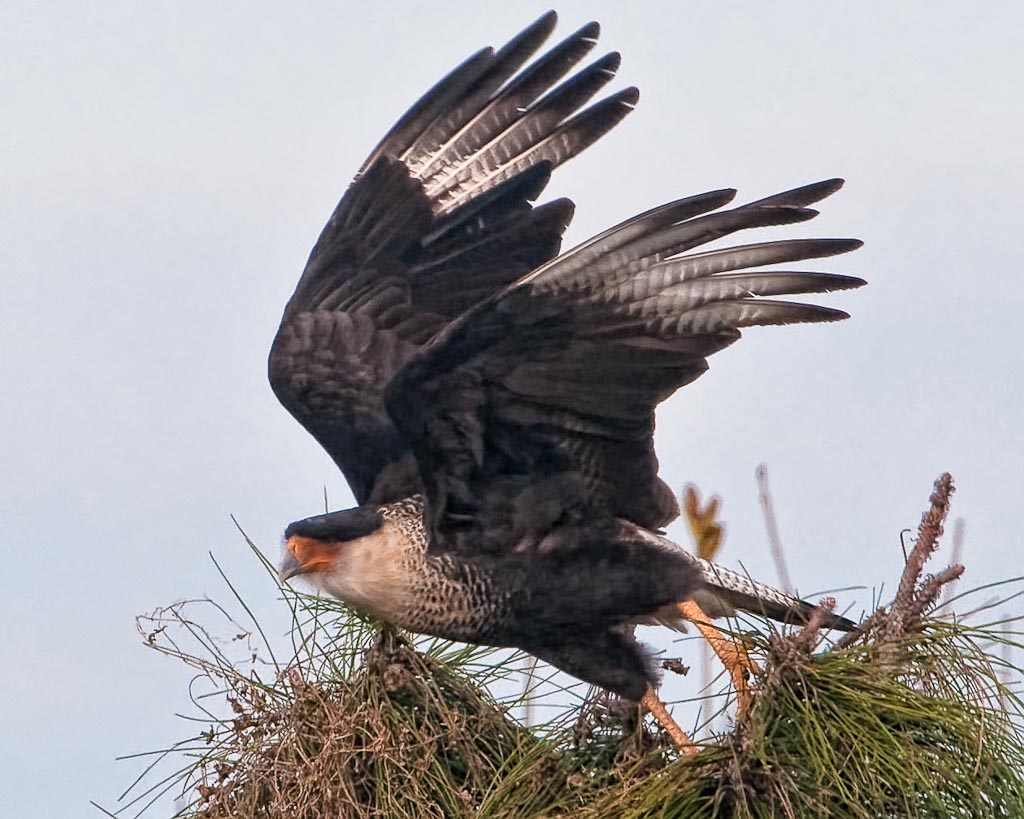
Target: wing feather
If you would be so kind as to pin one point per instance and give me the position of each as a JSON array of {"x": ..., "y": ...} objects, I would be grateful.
[
  {"x": 509, "y": 104},
  {"x": 439, "y": 217},
  {"x": 555, "y": 379}
]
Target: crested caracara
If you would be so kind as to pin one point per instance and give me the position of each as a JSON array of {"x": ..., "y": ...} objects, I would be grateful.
[{"x": 491, "y": 401}]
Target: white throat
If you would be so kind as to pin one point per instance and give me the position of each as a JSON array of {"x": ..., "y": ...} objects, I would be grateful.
[{"x": 371, "y": 573}]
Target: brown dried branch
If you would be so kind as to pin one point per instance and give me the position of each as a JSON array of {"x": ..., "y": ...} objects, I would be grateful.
[
  {"x": 928, "y": 534},
  {"x": 797, "y": 647},
  {"x": 869, "y": 623},
  {"x": 913, "y": 597},
  {"x": 929, "y": 591},
  {"x": 809, "y": 634}
]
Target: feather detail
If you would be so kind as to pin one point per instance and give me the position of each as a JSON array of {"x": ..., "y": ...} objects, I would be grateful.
[
  {"x": 737, "y": 591},
  {"x": 565, "y": 367}
]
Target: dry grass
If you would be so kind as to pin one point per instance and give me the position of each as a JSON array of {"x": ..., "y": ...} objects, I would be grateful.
[
  {"x": 911, "y": 717},
  {"x": 403, "y": 736}
]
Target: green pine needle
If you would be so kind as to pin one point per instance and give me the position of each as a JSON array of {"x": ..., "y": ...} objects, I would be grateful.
[{"x": 361, "y": 722}]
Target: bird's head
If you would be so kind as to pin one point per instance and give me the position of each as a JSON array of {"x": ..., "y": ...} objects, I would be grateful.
[{"x": 317, "y": 544}]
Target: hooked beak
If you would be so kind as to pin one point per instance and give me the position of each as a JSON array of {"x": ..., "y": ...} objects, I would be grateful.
[{"x": 289, "y": 567}]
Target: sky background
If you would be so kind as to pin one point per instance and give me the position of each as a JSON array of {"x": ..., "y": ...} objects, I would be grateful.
[{"x": 165, "y": 168}]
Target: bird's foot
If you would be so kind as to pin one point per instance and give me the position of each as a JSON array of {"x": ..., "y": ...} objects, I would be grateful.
[
  {"x": 731, "y": 652},
  {"x": 658, "y": 710}
]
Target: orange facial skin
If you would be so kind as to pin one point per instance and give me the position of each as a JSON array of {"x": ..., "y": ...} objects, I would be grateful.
[{"x": 307, "y": 555}]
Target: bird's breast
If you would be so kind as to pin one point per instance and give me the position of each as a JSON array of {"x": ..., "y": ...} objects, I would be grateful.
[{"x": 389, "y": 575}]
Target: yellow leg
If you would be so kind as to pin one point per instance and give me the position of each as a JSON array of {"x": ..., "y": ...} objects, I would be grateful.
[
  {"x": 732, "y": 654},
  {"x": 660, "y": 713}
]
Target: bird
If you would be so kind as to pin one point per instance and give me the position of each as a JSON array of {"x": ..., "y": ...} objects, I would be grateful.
[{"x": 491, "y": 400}]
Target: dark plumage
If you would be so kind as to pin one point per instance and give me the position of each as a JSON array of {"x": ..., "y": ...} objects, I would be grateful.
[{"x": 492, "y": 403}]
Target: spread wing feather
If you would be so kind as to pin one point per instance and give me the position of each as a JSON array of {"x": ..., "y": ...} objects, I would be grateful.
[
  {"x": 439, "y": 217},
  {"x": 535, "y": 409}
]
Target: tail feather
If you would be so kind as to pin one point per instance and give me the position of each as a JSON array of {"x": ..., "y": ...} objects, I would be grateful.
[
  {"x": 724, "y": 592},
  {"x": 732, "y": 590}
]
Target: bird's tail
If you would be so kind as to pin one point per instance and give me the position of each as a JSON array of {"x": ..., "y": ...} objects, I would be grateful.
[
  {"x": 724, "y": 592},
  {"x": 727, "y": 591}
]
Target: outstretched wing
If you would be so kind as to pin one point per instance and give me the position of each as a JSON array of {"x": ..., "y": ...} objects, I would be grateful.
[
  {"x": 438, "y": 218},
  {"x": 535, "y": 410}
]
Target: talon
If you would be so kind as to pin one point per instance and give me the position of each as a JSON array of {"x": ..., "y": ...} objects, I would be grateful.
[{"x": 658, "y": 710}]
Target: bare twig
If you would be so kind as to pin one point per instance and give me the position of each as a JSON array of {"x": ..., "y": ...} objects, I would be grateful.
[
  {"x": 864, "y": 627},
  {"x": 808, "y": 635},
  {"x": 796, "y": 648},
  {"x": 771, "y": 526},
  {"x": 529, "y": 681},
  {"x": 929, "y": 591}
]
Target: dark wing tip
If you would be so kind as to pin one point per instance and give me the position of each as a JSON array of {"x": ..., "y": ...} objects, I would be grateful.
[
  {"x": 609, "y": 63},
  {"x": 803, "y": 611},
  {"x": 765, "y": 313},
  {"x": 831, "y": 314},
  {"x": 812, "y": 314},
  {"x": 845, "y": 245},
  {"x": 821, "y": 248},
  {"x": 804, "y": 195},
  {"x": 828, "y": 186},
  {"x": 628, "y": 96},
  {"x": 548, "y": 20},
  {"x": 850, "y": 282},
  {"x": 530, "y": 38},
  {"x": 589, "y": 31},
  {"x": 817, "y": 191}
]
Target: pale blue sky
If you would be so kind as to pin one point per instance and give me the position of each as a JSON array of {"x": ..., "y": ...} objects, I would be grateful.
[{"x": 165, "y": 167}]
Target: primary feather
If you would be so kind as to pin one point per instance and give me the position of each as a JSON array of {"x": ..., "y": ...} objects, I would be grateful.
[
  {"x": 439, "y": 217},
  {"x": 491, "y": 402}
]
